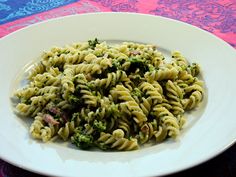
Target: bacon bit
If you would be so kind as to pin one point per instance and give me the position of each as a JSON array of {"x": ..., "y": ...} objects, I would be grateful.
[
  {"x": 59, "y": 112},
  {"x": 145, "y": 128},
  {"x": 135, "y": 52},
  {"x": 55, "y": 110},
  {"x": 49, "y": 119}
]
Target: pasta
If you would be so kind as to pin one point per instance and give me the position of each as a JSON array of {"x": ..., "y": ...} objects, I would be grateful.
[{"x": 114, "y": 97}]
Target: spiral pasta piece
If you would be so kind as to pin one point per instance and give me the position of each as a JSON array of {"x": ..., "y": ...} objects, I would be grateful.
[
  {"x": 175, "y": 94},
  {"x": 39, "y": 130},
  {"x": 194, "y": 100},
  {"x": 161, "y": 74},
  {"x": 38, "y": 68},
  {"x": 67, "y": 79},
  {"x": 152, "y": 92},
  {"x": 117, "y": 141},
  {"x": 194, "y": 69},
  {"x": 146, "y": 105},
  {"x": 147, "y": 131},
  {"x": 136, "y": 111},
  {"x": 124, "y": 124},
  {"x": 67, "y": 130},
  {"x": 161, "y": 133},
  {"x": 27, "y": 92},
  {"x": 28, "y": 110},
  {"x": 111, "y": 80},
  {"x": 87, "y": 95},
  {"x": 179, "y": 59},
  {"x": 45, "y": 79}
]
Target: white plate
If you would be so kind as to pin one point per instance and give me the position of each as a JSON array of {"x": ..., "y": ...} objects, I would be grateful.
[{"x": 210, "y": 128}]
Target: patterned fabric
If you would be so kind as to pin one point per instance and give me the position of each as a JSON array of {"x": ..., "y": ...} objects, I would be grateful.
[
  {"x": 215, "y": 16},
  {"x": 12, "y": 10}
]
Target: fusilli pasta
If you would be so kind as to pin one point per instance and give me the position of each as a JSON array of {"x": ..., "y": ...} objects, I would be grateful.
[{"x": 112, "y": 97}]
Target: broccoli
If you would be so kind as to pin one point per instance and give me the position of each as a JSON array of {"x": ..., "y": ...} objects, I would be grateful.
[
  {"x": 99, "y": 125},
  {"x": 81, "y": 140},
  {"x": 138, "y": 63},
  {"x": 93, "y": 43},
  {"x": 137, "y": 92},
  {"x": 73, "y": 99},
  {"x": 91, "y": 86},
  {"x": 113, "y": 110},
  {"x": 75, "y": 116},
  {"x": 115, "y": 66}
]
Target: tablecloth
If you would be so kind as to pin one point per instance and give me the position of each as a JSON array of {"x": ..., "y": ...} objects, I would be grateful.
[{"x": 215, "y": 16}]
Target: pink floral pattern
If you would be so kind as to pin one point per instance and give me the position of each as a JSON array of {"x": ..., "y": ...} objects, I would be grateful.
[{"x": 215, "y": 16}]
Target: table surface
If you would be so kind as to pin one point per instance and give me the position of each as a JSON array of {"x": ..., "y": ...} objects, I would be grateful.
[{"x": 215, "y": 16}]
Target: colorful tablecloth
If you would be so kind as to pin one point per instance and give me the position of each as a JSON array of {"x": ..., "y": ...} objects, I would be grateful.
[{"x": 215, "y": 16}]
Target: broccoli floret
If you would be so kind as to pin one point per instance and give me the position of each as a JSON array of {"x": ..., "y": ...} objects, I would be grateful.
[
  {"x": 81, "y": 140},
  {"x": 113, "y": 110},
  {"x": 91, "y": 85},
  {"x": 73, "y": 99},
  {"x": 93, "y": 43},
  {"x": 137, "y": 92},
  {"x": 115, "y": 66},
  {"x": 138, "y": 63},
  {"x": 57, "y": 117},
  {"x": 75, "y": 116},
  {"x": 99, "y": 125}
]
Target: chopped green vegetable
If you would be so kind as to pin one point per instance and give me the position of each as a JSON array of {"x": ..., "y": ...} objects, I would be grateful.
[
  {"x": 137, "y": 92},
  {"x": 151, "y": 68},
  {"x": 113, "y": 110},
  {"x": 138, "y": 63},
  {"x": 73, "y": 99},
  {"x": 81, "y": 140},
  {"x": 99, "y": 125},
  {"x": 75, "y": 116},
  {"x": 115, "y": 66},
  {"x": 93, "y": 43},
  {"x": 57, "y": 117}
]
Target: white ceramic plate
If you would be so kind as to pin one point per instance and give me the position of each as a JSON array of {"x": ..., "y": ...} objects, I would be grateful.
[{"x": 210, "y": 128}]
